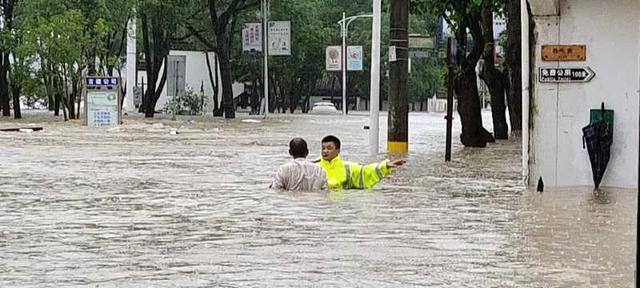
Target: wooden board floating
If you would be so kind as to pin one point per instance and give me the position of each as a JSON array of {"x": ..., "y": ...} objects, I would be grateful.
[{"x": 20, "y": 129}]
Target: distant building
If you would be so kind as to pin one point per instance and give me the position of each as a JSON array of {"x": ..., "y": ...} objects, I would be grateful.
[{"x": 559, "y": 111}]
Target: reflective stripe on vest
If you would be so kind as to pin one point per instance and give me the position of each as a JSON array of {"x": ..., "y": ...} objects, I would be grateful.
[
  {"x": 347, "y": 183},
  {"x": 379, "y": 171}
]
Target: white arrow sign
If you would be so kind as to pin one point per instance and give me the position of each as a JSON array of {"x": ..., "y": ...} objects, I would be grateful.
[{"x": 565, "y": 75}]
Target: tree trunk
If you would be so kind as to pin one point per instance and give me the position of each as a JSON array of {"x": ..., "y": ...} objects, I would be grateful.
[
  {"x": 333, "y": 84},
  {"x": 4, "y": 84},
  {"x": 227, "y": 81},
  {"x": 69, "y": 102},
  {"x": 77, "y": 95},
  {"x": 163, "y": 80},
  {"x": 60, "y": 103},
  {"x": 16, "y": 102},
  {"x": 154, "y": 57},
  {"x": 7, "y": 19},
  {"x": 213, "y": 79},
  {"x": 50, "y": 95},
  {"x": 149, "y": 68},
  {"x": 513, "y": 59},
  {"x": 143, "y": 103},
  {"x": 493, "y": 77},
  {"x": 473, "y": 134},
  {"x": 48, "y": 83},
  {"x": 255, "y": 95},
  {"x": 466, "y": 88},
  {"x": 496, "y": 84},
  {"x": 56, "y": 102}
]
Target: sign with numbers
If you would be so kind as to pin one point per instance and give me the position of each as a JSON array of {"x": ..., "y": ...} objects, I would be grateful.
[
  {"x": 102, "y": 108},
  {"x": 565, "y": 75},
  {"x": 102, "y": 101}
]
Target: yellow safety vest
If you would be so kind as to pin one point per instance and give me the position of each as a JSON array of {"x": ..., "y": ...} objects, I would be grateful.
[{"x": 348, "y": 175}]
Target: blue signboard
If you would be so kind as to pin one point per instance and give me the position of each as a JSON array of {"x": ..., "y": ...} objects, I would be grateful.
[
  {"x": 354, "y": 58},
  {"x": 101, "y": 99},
  {"x": 101, "y": 81}
]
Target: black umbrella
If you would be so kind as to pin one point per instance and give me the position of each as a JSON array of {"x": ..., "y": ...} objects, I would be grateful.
[{"x": 598, "y": 137}]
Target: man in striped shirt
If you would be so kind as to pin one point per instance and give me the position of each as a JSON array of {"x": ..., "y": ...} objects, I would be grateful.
[{"x": 299, "y": 174}]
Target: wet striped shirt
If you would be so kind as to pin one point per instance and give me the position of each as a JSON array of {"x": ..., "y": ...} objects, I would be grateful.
[{"x": 300, "y": 175}]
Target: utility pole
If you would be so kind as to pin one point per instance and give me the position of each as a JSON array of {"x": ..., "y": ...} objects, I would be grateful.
[
  {"x": 374, "y": 100},
  {"x": 398, "y": 122}
]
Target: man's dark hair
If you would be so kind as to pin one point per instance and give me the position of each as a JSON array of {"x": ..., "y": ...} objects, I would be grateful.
[
  {"x": 298, "y": 148},
  {"x": 333, "y": 139}
]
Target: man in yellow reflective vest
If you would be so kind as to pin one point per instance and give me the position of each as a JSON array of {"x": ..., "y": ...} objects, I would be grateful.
[{"x": 348, "y": 175}]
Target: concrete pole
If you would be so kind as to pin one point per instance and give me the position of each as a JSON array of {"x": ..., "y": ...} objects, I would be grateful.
[
  {"x": 398, "y": 121},
  {"x": 265, "y": 46},
  {"x": 524, "y": 31},
  {"x": 343, "y": 25},
  {"x": 374, "y": 104},
  {"x": 129, "y": 105}
]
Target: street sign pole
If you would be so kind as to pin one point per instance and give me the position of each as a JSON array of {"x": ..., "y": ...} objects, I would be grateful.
[
  {"x": 343, "y": 25},
  {"x": 451, "y": 47},
  {"x": 344, "y": 31},
  {"x": 265, "y": 52}
]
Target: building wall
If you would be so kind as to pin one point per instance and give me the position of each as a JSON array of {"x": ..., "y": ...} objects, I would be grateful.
[
  {"x": 611, "y": 32},
  {"x": 196, "y": 75}
]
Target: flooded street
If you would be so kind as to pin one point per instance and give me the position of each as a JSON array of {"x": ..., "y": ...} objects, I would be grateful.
[{"x": 139, "y": 206}]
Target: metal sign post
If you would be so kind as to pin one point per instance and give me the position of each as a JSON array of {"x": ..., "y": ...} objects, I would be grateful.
[
  {"x": 265, "y": 71},
  {"x": 345, "y": 51},
  {"x": 451, "y": 60},
  {"x": 102, "y": 101}
]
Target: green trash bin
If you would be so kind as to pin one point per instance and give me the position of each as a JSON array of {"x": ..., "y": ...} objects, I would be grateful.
[{"x": 597, "y": 115}]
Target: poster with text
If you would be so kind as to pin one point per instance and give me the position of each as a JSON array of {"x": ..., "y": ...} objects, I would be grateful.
[
  {"x": 279, "y": 38},
  {"x": 252, "y": 37},
  {"x": 333, "y": 58}
]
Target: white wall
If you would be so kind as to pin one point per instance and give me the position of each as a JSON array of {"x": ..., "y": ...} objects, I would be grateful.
[
  {"x": 196, "y": 72},
  {"x": 610, "y": 30}
]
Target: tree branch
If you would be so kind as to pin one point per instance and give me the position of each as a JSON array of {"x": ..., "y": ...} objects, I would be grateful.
[
  {"x": 213, "y": 13},
  {"x": 247, "y": 6},
  {"x": 201, "y": 38},
  {"x": 476, "y": 33}
]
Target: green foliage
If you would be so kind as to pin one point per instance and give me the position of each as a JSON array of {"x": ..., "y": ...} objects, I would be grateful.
[
  {"x": 65, "y": 38},
  {"x": 61, "y": 39},
  {"x": 426, "y": 79},
  {"x": 314, "y": 26},
  {"x": 190, "y": 103}
]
